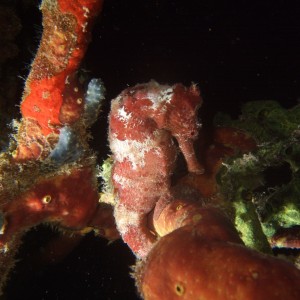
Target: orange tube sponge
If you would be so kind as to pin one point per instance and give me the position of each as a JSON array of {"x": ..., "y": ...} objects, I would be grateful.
[
  {"x": 201, "y": 256},
  {"x": 209, "y": 222},
  {"x": 54, "y": 199},
  {"x": 186, "y": 265},
  {"x": 46, "y": 100}
]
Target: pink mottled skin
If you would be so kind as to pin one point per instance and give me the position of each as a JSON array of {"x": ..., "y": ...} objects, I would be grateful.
[
  {"x": 69, "y": 200},
  {"x": 143, "y": 121}
]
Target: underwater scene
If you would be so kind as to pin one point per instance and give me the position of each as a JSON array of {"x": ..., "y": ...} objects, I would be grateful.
[{"x": 149, "y": 149}]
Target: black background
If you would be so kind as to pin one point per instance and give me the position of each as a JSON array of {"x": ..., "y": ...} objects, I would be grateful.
[{"x": 236, "y": 51}]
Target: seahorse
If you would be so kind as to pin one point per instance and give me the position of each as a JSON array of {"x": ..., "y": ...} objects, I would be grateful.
[{"x": 143, "y": 122}]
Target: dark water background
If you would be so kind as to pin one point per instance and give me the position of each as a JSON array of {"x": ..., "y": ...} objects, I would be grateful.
[{"x": 237, "y": 51}]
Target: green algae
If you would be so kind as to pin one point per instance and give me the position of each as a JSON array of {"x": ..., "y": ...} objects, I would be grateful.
[{"x": 270, "y": 174}]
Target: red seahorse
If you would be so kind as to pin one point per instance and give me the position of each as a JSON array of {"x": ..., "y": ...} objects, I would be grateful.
[{"x": 143, "y": 121}]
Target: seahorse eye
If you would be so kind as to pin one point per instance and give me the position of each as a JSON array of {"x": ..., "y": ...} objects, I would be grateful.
[{"x": 46, "y": 199}]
